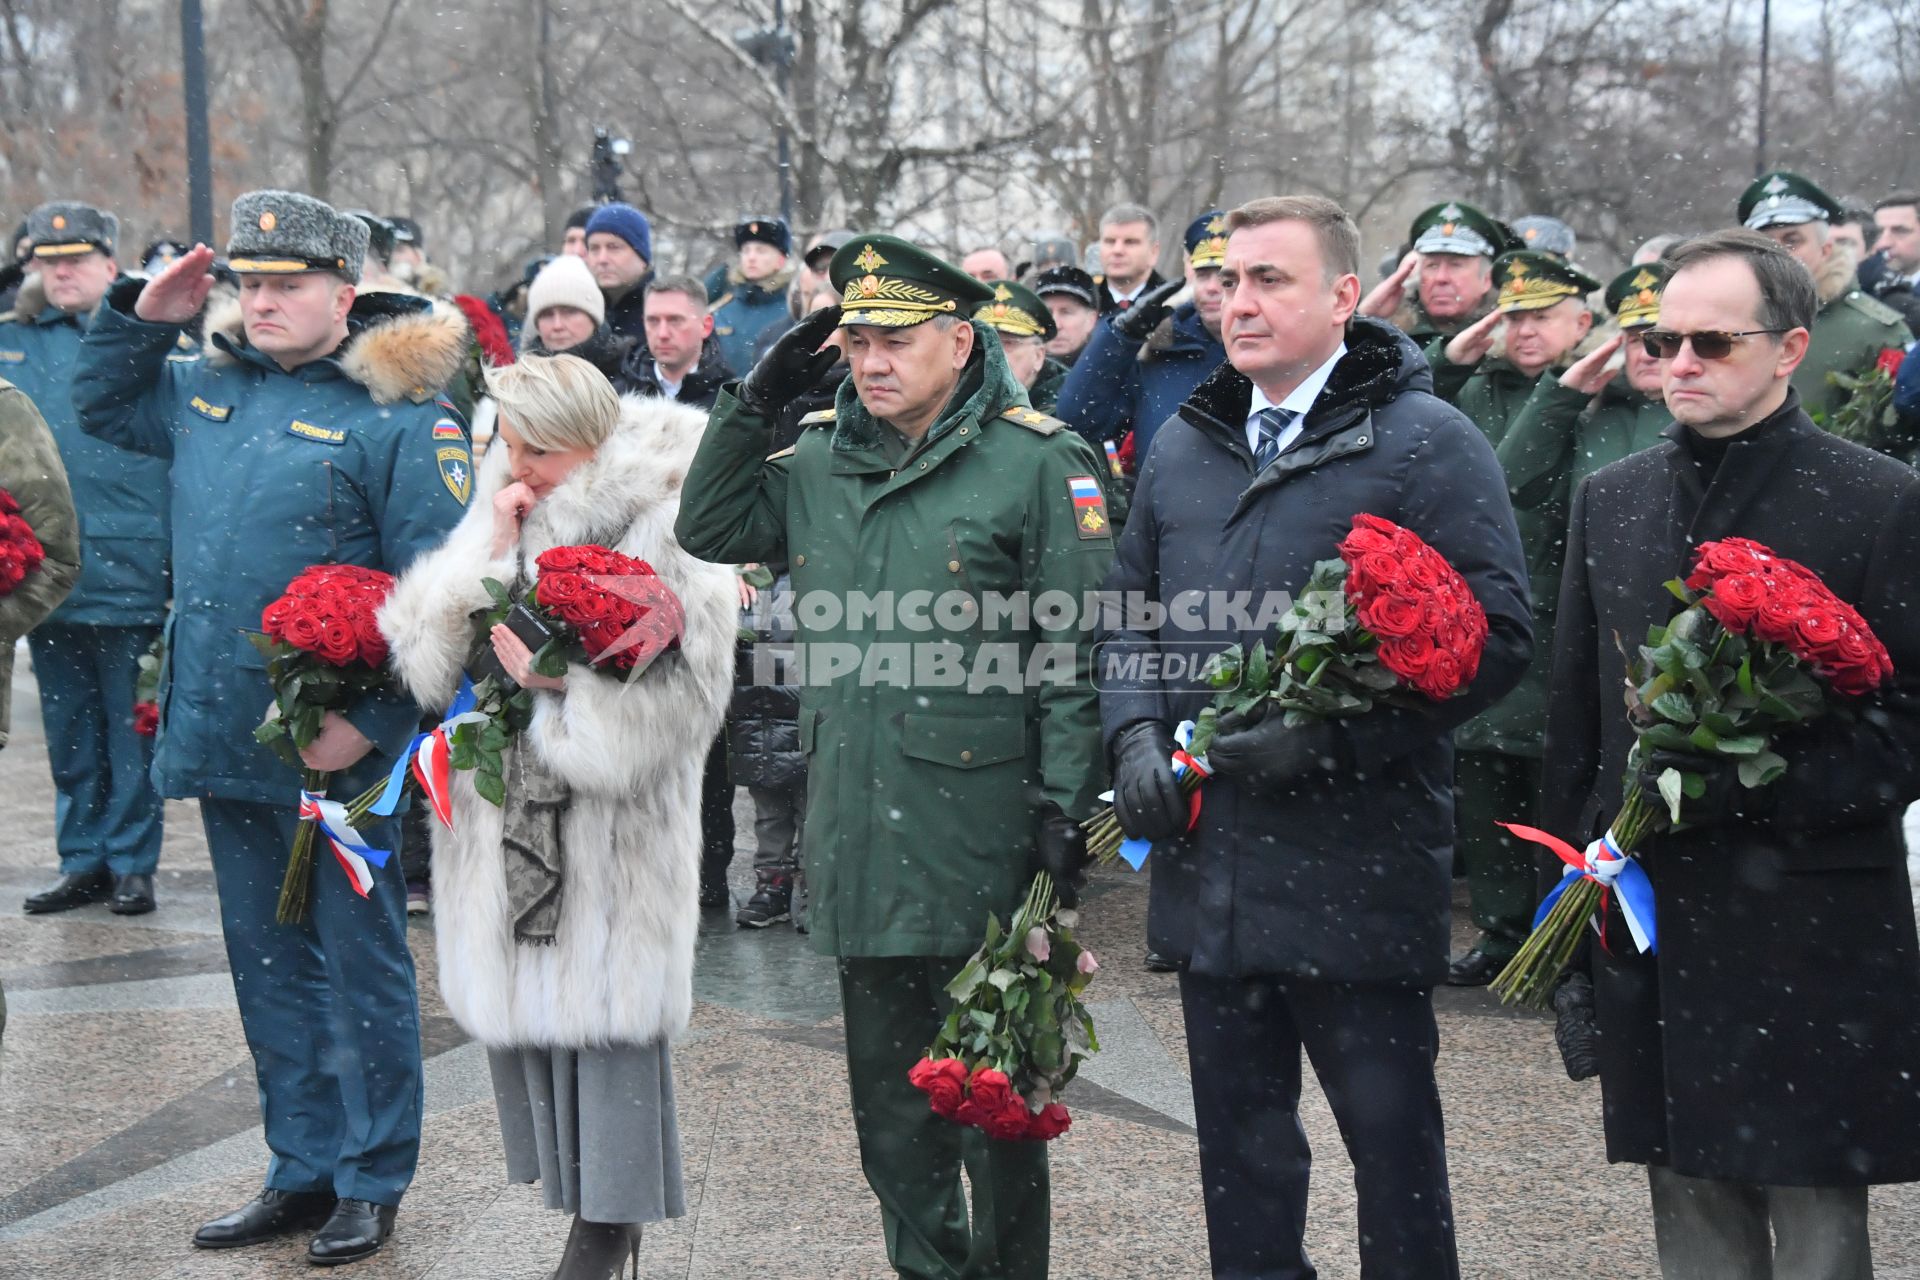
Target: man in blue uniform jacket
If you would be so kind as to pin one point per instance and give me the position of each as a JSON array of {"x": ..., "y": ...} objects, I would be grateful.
[
  {"x": 308, "y": 433},
  {"x": 86, "y": 655}
]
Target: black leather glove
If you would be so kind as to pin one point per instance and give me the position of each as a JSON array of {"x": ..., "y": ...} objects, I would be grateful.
[
  {"x": 1147, "y": 311},
  {"x": 1265, "y": 755},
  {"x": 1146, "y": 795},
  {"x": 1724, "y": 800},
  {"x": 793, "y": 366},
  {"x": 1574, "y": 1028},
  {"x": 1060, "y": 847}
]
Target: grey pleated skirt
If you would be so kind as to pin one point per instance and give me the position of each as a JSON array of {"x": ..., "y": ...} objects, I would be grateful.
[{"x": 595, "y": 1127}]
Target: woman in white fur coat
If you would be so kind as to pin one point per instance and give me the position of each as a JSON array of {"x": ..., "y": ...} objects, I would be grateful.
[{"x": 576, "y": 1013}]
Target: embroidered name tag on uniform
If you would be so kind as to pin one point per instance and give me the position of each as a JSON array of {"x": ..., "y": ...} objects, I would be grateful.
[
  {"x": 320, "y": 435},
  {"x": 448, "y": 429},
  {"x": 456, "y": 472},
  {"x": 13, "y": 357},
  {"x": 215, "y": 412},
  {"x": 1089, "y": 506}
]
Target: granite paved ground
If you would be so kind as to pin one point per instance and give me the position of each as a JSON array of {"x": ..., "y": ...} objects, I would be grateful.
[{"x": 128, "y": 1114}]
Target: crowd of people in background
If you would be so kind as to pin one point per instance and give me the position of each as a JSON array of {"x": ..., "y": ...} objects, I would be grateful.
[{"x": 332, "y": 338}]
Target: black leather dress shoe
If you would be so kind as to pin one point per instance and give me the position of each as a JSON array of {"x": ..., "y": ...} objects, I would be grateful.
[
  {"x": 269, "y": 1215},
  {"x": 132, "y": 895},
  {"x": 1474, "y": 969},
  {"x": 1157, "y": 963},
  {"x": 72, "y": 891},
  {"x": 356, "y": 1230}
]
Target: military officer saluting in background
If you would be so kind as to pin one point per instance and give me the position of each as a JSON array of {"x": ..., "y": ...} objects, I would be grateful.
[
  {"x": 307, "y": 433},
  {"x": 929, "y": 803},
  {"x": 1852, "y": 327},
  {"x": 1454, "y": 245},
  {"x": 86, "y": 656}
]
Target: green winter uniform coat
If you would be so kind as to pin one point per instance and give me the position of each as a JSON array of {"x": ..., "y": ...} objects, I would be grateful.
[
  {"x": 1044, "y": 394},
  {"x": 929, "y": 759},
  {"x": 30, "y": 470},
  {"x": 1850, "y": 331},
  {"x": 1562, "y": 436},
  {"x": 1493, "y": 393}
]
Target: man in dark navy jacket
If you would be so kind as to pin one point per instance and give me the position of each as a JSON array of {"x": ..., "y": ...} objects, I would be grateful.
[{"x": 1309, "y": 906}]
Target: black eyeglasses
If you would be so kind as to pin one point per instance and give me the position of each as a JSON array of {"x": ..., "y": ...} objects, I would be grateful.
[{"x": 1710, "y": 344}]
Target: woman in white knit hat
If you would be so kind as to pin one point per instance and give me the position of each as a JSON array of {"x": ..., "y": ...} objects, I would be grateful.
[{"x": 565, "y": 313}]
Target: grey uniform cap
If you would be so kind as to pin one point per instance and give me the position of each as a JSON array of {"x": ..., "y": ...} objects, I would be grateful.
[
  {"x": 1545, "y": 235},
  {"x": 281, "y": 232},
  {"x": 62, "y": 228}
]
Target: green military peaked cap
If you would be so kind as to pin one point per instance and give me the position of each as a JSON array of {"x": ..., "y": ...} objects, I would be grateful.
[
  {"x": 1457, "y": 227},
  {"x": 281, "y": 232},
  {"x": 890, "y": 284},
  {"x": 1633, "y": 296},
  {"x": 1782, "y": 198},
  {"x": 1529, "y": 281},
  {"x": 1016, "y": 311},
  {"x": 66, "y": 228}
]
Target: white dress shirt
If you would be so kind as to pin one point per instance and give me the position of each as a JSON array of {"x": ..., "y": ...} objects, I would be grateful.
[{"x": 1299, "y": 400}]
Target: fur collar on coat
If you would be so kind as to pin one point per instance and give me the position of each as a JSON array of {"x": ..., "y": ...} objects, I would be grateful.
[
  {"x": 399, "y": 347},
  {"x": 620, "y": 970}
]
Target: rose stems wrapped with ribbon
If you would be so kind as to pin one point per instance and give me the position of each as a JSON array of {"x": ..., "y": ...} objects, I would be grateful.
[
  {"x": 324, "y": 653},
  {"x": 1606, "y": 866}
]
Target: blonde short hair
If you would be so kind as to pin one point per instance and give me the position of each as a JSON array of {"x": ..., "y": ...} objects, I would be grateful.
[{"x": 555, "y": 403}]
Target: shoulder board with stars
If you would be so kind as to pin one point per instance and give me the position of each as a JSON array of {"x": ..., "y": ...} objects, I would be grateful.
[
  {"x": 1034, "y": 420},
  {"x": 819, "y": 417}
]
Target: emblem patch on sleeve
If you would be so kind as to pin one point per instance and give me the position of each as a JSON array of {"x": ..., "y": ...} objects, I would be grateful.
[
  {"x": 448, "y": 429},
  {"x": 456, "y": 472},
  {"x": 1089, "y": 507}
]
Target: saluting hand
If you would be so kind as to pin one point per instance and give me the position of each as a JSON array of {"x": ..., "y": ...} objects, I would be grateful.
[
  {"x": 793, "y": 366},
  {"x": 1385, "y": 298},
  {"x": 1591, "y": 372},
  {"x": 1471, "y": 344},
  {"x": 176, "y": 295}
]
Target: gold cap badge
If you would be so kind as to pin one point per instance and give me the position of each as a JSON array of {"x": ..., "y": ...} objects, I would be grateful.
[
  {"x": 868, "y": 259},
  {"x": 59, "y": 222},
  {"x": 267, "y": 221}
]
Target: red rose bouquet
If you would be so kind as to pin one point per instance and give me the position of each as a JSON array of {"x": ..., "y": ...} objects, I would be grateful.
[
  {"x": 1389, "y": 621},
  {"x": 324, "y": 653},
  {"x": 146, "y": 689},
  {"x": 20, "y": 552},
  {"x": 1761, "y": 645},
  {"x": 615, "y": 605},
  {"x": 611, "y": 611},
  {"x": 1017, "y": 1031}
]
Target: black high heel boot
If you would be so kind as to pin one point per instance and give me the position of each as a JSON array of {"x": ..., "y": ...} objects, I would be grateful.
[{"x": 599, "y": 1250}]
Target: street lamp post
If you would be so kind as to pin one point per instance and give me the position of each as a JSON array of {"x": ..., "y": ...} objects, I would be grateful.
[
  {"x": 1766, "y": 49},
  {"x": 193, "y": 79},
  {"x": 773, "y": 47}
]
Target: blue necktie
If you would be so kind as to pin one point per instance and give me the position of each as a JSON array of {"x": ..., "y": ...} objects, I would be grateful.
[{"x": 1273, "y": 423}]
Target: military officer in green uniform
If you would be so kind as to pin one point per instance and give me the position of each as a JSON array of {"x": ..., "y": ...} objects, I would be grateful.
[
  {"x": 1490, "y": 370},
  {"x": 1852, "y": 327},
  {"x": 1591, "y": 416},
  {"x": 309, "y": 432},
  {"x": 1025, "y": 326},
  {"x": 943, "y": 768},
  {"x": 1445, "y": 282}
]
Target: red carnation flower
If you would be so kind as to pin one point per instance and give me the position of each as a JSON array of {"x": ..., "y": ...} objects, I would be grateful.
[{"x": 146, "y": 719}]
